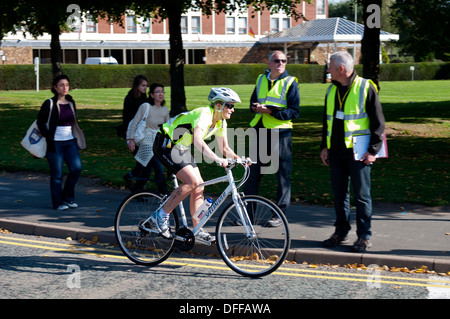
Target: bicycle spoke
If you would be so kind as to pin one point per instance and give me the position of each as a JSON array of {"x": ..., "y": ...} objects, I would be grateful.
[
  {"x": 255, "y": 254},
  {"x": 137, "y": 241}
]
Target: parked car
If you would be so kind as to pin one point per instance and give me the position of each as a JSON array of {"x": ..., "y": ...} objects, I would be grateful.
[{"x": 108, "y": 60}]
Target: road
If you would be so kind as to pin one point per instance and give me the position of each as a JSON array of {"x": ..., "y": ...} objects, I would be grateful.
[{"x": 47, "y": 268}]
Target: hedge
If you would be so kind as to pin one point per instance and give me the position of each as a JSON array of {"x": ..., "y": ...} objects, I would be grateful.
[{"x": 22, "y": 77}]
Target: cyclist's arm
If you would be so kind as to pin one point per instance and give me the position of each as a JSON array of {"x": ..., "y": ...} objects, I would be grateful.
[
  {"x": 200, "y": 144},
  {"x": 225, "y": 148}
]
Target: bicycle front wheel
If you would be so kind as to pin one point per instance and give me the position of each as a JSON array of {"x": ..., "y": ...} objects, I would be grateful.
[
  {"x": 254, "y": 253},
  {"x": 140, "y": 246}
]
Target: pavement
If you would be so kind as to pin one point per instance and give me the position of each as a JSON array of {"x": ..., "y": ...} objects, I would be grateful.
[{"x": 404, "y": 235}]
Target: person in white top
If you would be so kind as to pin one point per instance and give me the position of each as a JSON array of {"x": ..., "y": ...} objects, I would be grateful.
[{"x": 158, "y": 114}]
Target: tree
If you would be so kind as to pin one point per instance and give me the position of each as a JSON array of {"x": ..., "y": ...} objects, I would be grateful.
[
  {"x": 423, "y": 27},
  {"x": 43, "y": 16},
  {"x": 346, "y": 10},
  {"x": 173, "y": 10},
  {"x": 370, "y": 43},
  {"x": 10, "y": 16}
]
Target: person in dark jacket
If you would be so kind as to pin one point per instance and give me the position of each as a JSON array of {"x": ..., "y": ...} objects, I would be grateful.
[
  {"x": 352, "y": 109},
  {"x": 276, "y": 103},
  {"x": 136, "y": 96},
  {"x": 61, "y": 144}
]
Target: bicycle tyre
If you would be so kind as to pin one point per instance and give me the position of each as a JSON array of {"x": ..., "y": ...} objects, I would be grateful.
[
  {"x": 142, "y": 248},
  {"x": 253, "y": 257}
]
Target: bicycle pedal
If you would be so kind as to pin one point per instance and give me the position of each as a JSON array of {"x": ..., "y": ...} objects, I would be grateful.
[{"x": 205, "y": 242}]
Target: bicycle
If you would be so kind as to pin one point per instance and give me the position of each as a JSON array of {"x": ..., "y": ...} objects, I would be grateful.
[{"x": 244, "y": 240}]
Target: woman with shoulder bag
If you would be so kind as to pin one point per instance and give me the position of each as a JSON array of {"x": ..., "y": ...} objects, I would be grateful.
[
  {"x": 63, "y": 138},
  {"x": 154, "y": 114}
]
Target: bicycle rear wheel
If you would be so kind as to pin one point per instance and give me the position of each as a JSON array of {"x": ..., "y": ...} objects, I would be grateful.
[
  {"x": 257, "y": 255},
  {"x": 140, "y": 246}
]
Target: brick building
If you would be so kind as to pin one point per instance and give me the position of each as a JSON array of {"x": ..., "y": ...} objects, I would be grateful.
[{"x": 231, "y": 37}]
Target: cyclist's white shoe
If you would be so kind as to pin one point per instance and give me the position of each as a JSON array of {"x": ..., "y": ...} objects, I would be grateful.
[
  {"x": 204, "y": 235},
  {"x": 160, "y": 221}
]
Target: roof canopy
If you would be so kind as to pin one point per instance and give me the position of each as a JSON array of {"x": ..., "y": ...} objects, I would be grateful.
[{"x": 325, "y": 30}]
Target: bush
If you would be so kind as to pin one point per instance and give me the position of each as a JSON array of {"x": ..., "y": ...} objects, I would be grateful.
[{"x": 22, "y": 77}]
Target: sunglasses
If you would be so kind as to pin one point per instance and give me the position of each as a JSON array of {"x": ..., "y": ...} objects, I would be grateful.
[
  {"x": 280, "y": 60},
  {"x": 230, "y": 106}
]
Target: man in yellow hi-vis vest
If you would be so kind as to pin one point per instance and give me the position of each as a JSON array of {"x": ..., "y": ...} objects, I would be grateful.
[
  {"x": 275, "y": 102},
  {"x": 352, "y": 108}
]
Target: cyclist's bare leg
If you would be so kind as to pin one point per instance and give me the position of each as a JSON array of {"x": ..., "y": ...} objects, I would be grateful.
[{"x": 190, "y": 178}]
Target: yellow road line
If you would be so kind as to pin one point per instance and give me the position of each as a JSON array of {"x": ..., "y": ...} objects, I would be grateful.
[{"x": 198, "y": 263}]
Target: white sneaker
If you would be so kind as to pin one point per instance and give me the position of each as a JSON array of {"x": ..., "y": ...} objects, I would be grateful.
[
  {"x": 62, "y": 207},
  {"x": 204, "y": 235},
  {"x": 71, "y": 204},
  {"x": 161, "y": 223}
]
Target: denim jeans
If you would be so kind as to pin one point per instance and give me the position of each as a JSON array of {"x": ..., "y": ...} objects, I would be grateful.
[
  {"x": 64, "y": 151},
  {"x": 343, "y": 169}
]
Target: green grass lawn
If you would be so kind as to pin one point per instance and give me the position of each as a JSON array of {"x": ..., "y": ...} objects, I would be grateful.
[{"x": 417, "y": 116}]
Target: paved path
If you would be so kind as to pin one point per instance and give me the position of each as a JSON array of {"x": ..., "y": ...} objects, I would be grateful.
[{"x": 403, "y": 235}]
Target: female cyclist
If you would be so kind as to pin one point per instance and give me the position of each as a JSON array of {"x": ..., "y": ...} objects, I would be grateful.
[{"x": 172, "y": 148}]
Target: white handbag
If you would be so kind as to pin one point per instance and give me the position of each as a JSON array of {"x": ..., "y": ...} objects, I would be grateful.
[
  {"x": 34, "y": 142},
  {"x": 139, "y": 134}
]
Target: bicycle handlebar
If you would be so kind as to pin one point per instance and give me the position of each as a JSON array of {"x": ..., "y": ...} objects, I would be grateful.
[{"x": 233, "y": 162}]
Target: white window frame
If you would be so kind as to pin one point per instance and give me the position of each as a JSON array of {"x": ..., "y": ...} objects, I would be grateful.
[{"x": 132, "y": 25}]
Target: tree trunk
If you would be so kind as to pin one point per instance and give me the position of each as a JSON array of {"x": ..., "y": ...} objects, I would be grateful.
[
  {"x": 370, "y": 44},
  {"x": 55, "y": 47},
  {"x": 176, "y": 59}
]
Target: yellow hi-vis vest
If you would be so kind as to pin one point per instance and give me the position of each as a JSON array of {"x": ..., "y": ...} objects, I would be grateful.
[
  {"x": 356, "y": 120},
  {"x": 275, "y": 96}
]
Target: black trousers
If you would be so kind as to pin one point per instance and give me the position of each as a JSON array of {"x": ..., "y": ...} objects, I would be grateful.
[{"x": 280, "y": 164}]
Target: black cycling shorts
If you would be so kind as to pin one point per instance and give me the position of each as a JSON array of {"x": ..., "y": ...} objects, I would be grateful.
[{"x": 170, "y": 155}]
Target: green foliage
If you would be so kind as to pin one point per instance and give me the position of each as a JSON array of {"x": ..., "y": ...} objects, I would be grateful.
[
  {"x": 22, "y": 77},
  {"x": 417, "y": 117}
]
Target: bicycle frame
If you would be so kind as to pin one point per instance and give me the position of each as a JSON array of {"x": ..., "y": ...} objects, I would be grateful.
[{"x": 231, "y": 189}]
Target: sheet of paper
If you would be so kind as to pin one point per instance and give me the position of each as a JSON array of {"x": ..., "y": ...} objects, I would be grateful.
[{"x": 361, "y": 144}]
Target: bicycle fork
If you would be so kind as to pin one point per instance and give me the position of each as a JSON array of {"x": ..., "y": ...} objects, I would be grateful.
[{"x": 243, "y": 214}]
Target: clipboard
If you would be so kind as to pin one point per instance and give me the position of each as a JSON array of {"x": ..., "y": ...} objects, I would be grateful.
[
  {"x": 361, "y": 145},
  {"x": 274, "y": 107}
]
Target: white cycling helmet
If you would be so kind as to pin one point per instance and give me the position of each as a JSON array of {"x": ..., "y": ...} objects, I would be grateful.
[{"x": 223, "y": 95}]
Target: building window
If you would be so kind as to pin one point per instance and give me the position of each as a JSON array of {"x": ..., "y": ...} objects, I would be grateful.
[
  {"x": 184, "y": 25},
  {"x": 131, "y": 24},
  {"x": 196, "y": 56},
  {"x": 75, "y": 26},
  {"x": 286, "y": 23},
  {"x": 70, "y": 56},
  {"x": 91, "y": 26},
  {"x": 159, "y": 56},
  {"x": 135, "y": 56},
  {"x": 231, "y": 27},
  {"x": 320, "y": 6},
  {"x": 274, "y": 25},
  {"x": 242, "y": 25},
  {"x": 146, "y": 26},
  {"x": 195, "y": 27}
]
